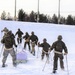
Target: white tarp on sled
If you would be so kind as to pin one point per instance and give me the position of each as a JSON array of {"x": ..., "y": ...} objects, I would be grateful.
[{"x": 21, "y": 57}]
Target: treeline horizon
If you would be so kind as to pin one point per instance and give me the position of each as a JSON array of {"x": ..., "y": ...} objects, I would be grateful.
[{"x": 43, "y": 18}]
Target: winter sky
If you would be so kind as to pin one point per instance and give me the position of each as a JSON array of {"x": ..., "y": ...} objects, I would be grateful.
[{"x": 46, "y": 6}]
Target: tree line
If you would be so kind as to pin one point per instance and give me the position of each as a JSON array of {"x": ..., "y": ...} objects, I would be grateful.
[{"x": 32, "y": 17}]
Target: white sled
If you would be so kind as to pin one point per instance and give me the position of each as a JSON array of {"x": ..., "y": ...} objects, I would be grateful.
[{"x": 21, "y": 57}]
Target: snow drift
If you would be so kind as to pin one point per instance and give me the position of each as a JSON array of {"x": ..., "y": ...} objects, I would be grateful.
[{"x": 34, "y": 65}]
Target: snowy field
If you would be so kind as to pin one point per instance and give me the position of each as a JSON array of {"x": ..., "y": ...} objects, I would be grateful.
[{"x": 35, "y": 65}]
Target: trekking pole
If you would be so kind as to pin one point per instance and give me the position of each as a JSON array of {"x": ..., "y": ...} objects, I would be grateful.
[
  {"x": 1, "y": 37},
  {"x": 1, "y": 34},
  {"x": 45, "y": 63},
  {"x": 16, "y": 50},
  {"x": 37, "y": 52},
  {"x": 67, "y": 65},
  {"x": 1, "y": 50}
]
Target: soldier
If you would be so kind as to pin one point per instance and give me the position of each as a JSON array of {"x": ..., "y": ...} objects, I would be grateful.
[
  {"x": 19, "y": 38},
  {"x": 58, "y": 47},
  {"x": 45, "y": 49},
  {"x": 8, "y": 42},
  {"x": 34, "y": 40},
  {"x": 27, "y": 40}
]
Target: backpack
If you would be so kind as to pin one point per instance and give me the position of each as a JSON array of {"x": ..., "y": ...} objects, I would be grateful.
[
  {"x": 9, "y": 41},
  {"x": 59, "y": 45}
]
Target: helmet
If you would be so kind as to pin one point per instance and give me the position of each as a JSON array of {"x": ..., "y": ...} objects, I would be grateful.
[
  {"x": 26, "y": 33},
  {"x": 59, "y": 37},
  {"x": 44, "y": 40},
  {"x": 18, "y": 29},
  {"x": 32, "y": 33}
]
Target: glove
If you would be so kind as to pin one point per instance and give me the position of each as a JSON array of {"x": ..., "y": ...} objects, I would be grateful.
[
  {"x": 49, "y": 49},
  {"x": 65, "y": 53},
  {"x": 38, "y": 43}
]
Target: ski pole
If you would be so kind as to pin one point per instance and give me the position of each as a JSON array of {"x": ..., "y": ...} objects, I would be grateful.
[
  {"x": 37, "y": 52},
  {"x": 16, "y": 55},
  {"x": 46, "y": 62},
  {"x": 45, "y": 65},
  {"x": 67, "y": 65},
  {"x": 1, "y": 50},
  {"x": 1, "y": 35},
  {"x": 16, "y": 50}
]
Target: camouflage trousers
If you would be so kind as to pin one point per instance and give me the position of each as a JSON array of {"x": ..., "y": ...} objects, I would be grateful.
[
  {"x": 43, "y": 54},
  {"x": 33, "y": 47},
  {"x": 19, "y": 40},
  {"x": 27, "y": 43},
  {"x": 55, "y": 65},
  {"x": 6, "y": 53}
]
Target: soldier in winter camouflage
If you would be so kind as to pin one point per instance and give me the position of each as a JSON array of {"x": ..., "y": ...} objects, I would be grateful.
[
  {"x": 58, "y": 47},
  {"x": 8, "y": 42},
  {"x": 45, "y": 49},
  {"x": 5, "y": 30},
  {"x": 27, "y": 40},
  {"x": 19, "y": 33},
  {"x": 34, "y": 40}
]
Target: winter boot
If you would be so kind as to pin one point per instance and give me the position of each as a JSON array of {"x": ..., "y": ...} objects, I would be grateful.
[
  {"x": 54, "y": 71},
  {"x": 3, "y": 65},
  {"x": 42, "y": 57},
  {"x": 62, "y": 69},
  {"x": 29, "y": 50},
  {"x": 14, "y": 64},
  {"x": 34, "y": 53}
]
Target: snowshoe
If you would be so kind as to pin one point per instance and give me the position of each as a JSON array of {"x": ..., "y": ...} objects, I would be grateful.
[
  {"x": 14, "y": 64},
  {"x": 4, "y": 65},
  {"x": 54, "y": 71},
  {"x": 63, "y": 69}
]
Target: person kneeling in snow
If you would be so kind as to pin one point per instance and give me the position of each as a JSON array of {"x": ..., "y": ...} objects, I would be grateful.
[
  {"x": 8, "y": 42},
  {"x": 45, "y": 49},
  {"x": 58, "y": 47}
]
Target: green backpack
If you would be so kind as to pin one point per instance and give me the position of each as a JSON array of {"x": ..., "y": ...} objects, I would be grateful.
[{"x": 59, "y": 45}]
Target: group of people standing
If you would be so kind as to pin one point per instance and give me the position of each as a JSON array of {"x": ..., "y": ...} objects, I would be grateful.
[
  {"x": 8, "y": 41},
  {"x": 33, "y": 38},
  {"x": 58, "y": 47}
]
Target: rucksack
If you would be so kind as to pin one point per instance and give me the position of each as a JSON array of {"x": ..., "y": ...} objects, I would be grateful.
[
  {"x": 9, "y": 41},
  {"x": 59, "y": 45}
]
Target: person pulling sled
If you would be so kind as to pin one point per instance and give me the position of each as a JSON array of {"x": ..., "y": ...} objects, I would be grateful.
[{"x": 8, "y": 42}]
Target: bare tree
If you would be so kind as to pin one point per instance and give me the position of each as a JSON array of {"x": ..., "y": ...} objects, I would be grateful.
[{"x": 3, "y": 15}]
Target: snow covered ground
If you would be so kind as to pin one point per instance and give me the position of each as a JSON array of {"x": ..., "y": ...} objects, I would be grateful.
[{"x": 35, "y": 66}]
